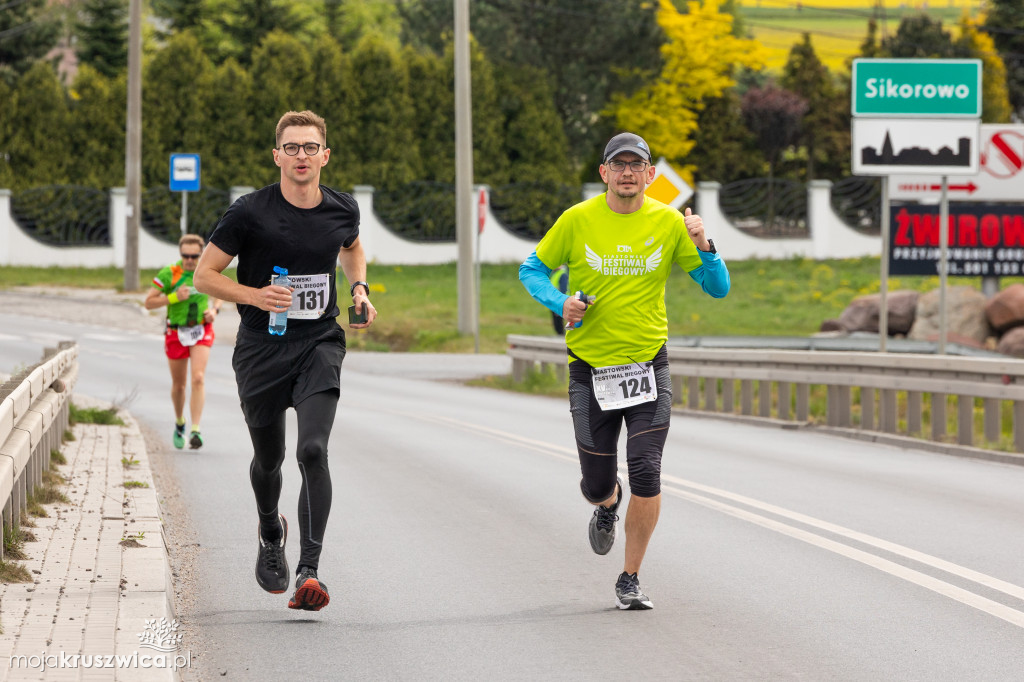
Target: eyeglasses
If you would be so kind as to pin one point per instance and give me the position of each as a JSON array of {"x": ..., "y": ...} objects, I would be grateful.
[
  {"x": 292, "y": 148},
  {"x": 190, "y": 256},
  {"x": 619, "y": 166}
]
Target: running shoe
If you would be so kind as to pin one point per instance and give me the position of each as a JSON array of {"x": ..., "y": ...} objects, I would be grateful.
[
  {"x": 179, "y": 436},
  {"x": 602, "y": 524},
  {"x": 629, "y": 596},
  {"x": 195, "y": 441},
  {"x": 271, "y": 564},
  {"x": 310, "y": 593}
]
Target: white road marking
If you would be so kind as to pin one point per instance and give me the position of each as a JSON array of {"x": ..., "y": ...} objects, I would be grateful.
[{"x": 993, "y": 608}]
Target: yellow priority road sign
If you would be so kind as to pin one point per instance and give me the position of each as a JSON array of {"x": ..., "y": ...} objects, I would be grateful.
[{"x": 668, "y": 186}]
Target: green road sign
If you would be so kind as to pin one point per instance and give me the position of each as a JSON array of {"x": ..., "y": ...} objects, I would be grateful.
[{"x": 909, "y": 88}]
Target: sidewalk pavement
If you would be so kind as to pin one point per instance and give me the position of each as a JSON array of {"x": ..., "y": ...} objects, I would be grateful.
[{"x": 101, "y": 578}]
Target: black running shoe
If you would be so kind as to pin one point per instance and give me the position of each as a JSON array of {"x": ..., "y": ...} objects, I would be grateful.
[
  {"x": 602, "y": 524},
  {"x": 629, "y": 596},
  {"x": 271, "y": 564},
  {"x": 195, "y": 441},
  {"x": 310, "y": 593}
]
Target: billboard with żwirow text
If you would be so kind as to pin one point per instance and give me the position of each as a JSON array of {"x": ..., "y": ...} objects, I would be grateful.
[{"x": 985, "y": 240}]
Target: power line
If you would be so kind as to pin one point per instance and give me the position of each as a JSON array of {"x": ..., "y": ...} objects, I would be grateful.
[
  {"x": 14, "y": 3},
  {"x": 18, "y": 30}
]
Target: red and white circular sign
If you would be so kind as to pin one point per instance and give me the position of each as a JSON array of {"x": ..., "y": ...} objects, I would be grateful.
[{"x": 1002, "y": 155}]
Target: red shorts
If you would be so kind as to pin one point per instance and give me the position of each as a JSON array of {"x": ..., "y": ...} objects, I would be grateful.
[{"x": 176, "y": 351}]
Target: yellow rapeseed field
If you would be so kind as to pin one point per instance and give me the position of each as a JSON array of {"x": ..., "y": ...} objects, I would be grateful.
[{"x": 838, "y": 27}]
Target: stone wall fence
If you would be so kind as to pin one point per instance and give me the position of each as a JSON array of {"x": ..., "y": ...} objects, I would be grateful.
[{"x": 830, "y": 237}]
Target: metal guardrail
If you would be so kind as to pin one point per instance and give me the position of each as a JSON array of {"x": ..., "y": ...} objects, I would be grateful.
[
  {"x": 33, "y": 417},
  {"x": 880, "y": 393}
]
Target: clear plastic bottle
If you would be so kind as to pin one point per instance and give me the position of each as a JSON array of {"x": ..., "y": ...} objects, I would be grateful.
[{"x": 279, "y": 321}]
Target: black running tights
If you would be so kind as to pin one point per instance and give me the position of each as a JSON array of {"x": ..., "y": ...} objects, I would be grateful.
[{"x": 316, "y": 417}]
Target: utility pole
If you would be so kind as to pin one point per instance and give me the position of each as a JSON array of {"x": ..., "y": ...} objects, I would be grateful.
[
  {"x": 133, "y": 148},
  {"x": 464, "y": 228}
]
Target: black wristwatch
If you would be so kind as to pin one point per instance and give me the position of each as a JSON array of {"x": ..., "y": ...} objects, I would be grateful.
[
  {"x": 352, "y": 289},
  {"x": 711, "y": 247}
]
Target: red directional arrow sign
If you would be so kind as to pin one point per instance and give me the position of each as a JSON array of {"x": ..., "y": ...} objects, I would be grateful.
[
  {"x": 970, "y": 187},
  {"x": 1000, "y": 175}
]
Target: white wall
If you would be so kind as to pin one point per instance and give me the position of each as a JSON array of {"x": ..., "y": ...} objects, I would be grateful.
[{"x": 830, "y": 236}]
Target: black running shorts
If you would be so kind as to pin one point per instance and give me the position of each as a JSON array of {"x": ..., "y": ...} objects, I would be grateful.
[
  {"x": 597, "y": 434},
  {"x": 274, "y": 373}
]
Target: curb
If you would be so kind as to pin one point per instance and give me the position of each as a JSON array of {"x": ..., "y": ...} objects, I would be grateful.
[{"x": 147, "y": 589}]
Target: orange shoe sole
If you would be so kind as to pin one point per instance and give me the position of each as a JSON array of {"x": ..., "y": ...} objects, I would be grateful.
[{"x": 309, "y": 597}]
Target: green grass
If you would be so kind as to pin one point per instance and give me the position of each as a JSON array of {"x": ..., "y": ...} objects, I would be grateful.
[
  {"x": 11, "y": 572},
  {"x": 536, "y": 382},
  {"x": 418, "y": 305},
  {"x": 93, "y": 415},
  {"x": 85, "y": 278}
]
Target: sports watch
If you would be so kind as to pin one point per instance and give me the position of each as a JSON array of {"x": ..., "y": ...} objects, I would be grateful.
[{"x": 352, "y": 289}]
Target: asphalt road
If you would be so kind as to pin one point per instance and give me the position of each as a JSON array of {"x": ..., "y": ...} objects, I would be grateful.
[{"x": 457, "y": 546}]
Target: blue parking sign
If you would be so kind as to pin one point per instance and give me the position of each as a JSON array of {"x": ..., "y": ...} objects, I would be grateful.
[{"x": 184, "y": 172}]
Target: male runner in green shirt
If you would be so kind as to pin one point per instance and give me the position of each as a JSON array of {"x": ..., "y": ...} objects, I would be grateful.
[
  {"x": 620, "y": 247},
  {"x": 188, "y": 335}
]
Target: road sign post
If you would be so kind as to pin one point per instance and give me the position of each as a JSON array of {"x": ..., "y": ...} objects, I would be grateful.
[
  {"x": 915, "y": 116},
  {"x": 185, "y": 176}
]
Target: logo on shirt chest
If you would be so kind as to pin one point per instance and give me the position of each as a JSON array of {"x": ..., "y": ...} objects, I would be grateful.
[{"x": 623, "y": 262}]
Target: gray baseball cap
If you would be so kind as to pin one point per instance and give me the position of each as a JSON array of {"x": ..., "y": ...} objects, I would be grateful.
[{"x": 626, "y": 142}]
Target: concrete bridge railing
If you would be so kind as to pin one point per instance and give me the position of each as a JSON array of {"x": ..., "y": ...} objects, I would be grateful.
[
  {"x": 34, "y": 414},
  {"x": 901, "y": 398}
]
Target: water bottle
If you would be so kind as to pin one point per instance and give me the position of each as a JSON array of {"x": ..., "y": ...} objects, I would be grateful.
[
  {"x": 279, "y": 321},
  {"x": 587, "y": 301}
]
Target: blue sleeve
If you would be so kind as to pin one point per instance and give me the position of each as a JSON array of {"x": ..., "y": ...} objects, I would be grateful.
[
  {"x": 536, "y": 277},
  {"x": 711, "y": 275}
]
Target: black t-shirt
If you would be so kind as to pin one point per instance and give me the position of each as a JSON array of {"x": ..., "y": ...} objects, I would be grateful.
[{"x": 264, "y": 230}]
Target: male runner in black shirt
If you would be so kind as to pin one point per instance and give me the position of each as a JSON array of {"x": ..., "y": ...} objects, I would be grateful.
[{"x": 300, "y": 225}]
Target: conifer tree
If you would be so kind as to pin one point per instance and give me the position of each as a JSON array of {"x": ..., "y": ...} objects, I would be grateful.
[
  {"x": 589, "y": 49},
  {"x": 995, "y": 97},
  {"x": 238, "y": 151},
  {"x": 490, "y": 166},
  {"x": 387, "y": 153},
  {"x": 243, "y": 25},
  {"x": 28, "y": 30},
  {"x": 172, "y": 99},
  {"x": 334, "y": 96},
  {"x": 434, "y": 120},
  {"x": 724, "y": 148},
  {"x": 282, "y": 80},
  {"x": 1004, "y": 22},
  {"x": 39, "y": 124},
  {"x": 182, "y": 15},
  {"x": 535, "y": 143},
  {"x": 825, "y": 129},
  {"x": 103, "y": 35},
  {"x": 7, "y": 108},
  {"x": 96, "y": 131}
]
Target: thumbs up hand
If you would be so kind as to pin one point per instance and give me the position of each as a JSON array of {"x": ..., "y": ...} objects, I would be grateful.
[{"x": 695, "y": 228}]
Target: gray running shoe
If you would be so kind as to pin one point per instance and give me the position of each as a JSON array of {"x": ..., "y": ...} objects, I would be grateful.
[
  {"x": 629, "y": 596},
  {"x": 310, "y": 593},
  {"x": 602, "y": 524},
  {"x": 271, "y": 564}
]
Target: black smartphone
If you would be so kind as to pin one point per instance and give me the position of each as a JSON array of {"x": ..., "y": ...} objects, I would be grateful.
[{"x": 356, "y": 318}]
